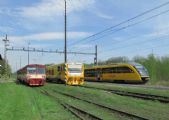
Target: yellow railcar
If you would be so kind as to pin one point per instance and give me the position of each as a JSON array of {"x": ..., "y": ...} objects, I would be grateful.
[
  {"x": 68, "y": 73},
  {"x": 135, "y": 73}
]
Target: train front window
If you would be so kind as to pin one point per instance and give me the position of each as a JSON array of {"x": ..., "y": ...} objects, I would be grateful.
[
  {"x": 31, "y": 70},
  {"x": 142, "y": 70},
  {"x": 75, "y": 70},
  {"x": 41, "y": 70}
]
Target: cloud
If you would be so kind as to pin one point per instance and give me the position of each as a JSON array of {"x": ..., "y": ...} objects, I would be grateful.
[
  {"x": 52, "y": 8},
  {"x": 102, "y": 15},
  {"x": 1, "y": 46},
  {"x": 5, "y": 11},
  {"x": 159, "y": 32},
  {"x": 6, "y": 29},
  {"x": 48, "y": 36}
]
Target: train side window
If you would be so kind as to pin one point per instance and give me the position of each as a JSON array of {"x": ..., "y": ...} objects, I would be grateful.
[
  {"x": 107, "y": 70},
  {"x": 123, "y": 70},
  {"x": 90, "y": 73},
  {"x": 127, "y": 70}
]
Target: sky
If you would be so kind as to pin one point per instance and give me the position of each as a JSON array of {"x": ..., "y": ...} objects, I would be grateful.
[{"x": 41, "y": 23}]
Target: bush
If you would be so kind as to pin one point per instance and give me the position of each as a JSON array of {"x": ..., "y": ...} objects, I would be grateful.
[
  {"x": 2, "y": 69},
  {"x": 157, "y": 67}
]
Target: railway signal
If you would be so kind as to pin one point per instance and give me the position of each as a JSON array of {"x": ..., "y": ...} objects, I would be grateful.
[{"x": 95, "y": 59}]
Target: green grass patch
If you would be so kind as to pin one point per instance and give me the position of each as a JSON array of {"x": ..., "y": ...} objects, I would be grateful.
[
  {"x": 129, "y": 89},
  {"x": 90, "y": 108},
  {"x": 149, "y": 109},
  {"x": 19, "y": 102}
]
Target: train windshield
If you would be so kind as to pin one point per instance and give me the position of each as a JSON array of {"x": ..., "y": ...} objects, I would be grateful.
[
  {"x": 142, "y": 70},
  {"x": 34, "y": 70},
  {"x": 31, "y": 70},
  {"x": 75, "y": 69},
  {"x": 41, "y": 70}
]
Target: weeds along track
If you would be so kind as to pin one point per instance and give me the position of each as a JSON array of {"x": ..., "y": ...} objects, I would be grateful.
[
  {"x": 161, "y": 99},
  {"x": 121, "y": 113},
  {"x": 83, "y": 115},
  {"x": 37, "y": 105}
]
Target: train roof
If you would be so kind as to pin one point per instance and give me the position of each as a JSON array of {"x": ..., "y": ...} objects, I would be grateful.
[
  {"x": 116, "y": 64},
  {"x": 72, "y": 63},
  {"x": 33, "y": 65}
]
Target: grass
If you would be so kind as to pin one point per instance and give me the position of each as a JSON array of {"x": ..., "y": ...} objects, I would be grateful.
[
  {"x": 90, "y": 108},
  {"x": 130, "y": 89},
  {"x": 149, "y": 109},
  {"x": 19, "y": 102}
]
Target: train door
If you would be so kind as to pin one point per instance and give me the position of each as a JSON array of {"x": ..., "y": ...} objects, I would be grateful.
[{"x": 98, "y": 74}]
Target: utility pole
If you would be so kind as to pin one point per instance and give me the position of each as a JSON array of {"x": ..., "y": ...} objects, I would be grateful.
[
  {"x": 16, "y": 66},
  {"x": 65, "y": 34},
  {"x": 20, "y": 62},
  {"x": 95, "y": 59},
  {"x": 5, "y": 52},
  {"x": 28, "y": 52}
]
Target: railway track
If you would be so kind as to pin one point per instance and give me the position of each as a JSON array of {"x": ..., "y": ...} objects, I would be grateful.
[
  {"x": 162, "y": 99},
  {"x": 131, "y": 85},
  {"x": 122, "y": 113},
  {"x": 83, "y": 115}
]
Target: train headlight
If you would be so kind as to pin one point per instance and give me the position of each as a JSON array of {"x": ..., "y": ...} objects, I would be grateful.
[{"x": 28, "y": 76}]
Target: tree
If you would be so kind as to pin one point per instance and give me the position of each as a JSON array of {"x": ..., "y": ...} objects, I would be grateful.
[{"x": 2, "y": 69}]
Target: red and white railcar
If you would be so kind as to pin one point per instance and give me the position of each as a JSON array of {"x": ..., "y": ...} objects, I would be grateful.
[{"x": 33, "y": 75}]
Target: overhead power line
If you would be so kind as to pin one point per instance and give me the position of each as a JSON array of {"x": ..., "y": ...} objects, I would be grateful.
[
  {"x": 47, "y": 51},
  {"x": 128, "y": 20},
  {"x": 140, "y": 42},
  {"x": 55, "y": 51},
  {"x": 130, "y": 25},
  {"x": 141, "y": 21}
]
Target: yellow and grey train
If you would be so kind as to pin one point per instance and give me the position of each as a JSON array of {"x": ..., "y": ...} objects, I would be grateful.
[
  {"x": 122, "y": 72},
  {"x": 68, "y": 73}
]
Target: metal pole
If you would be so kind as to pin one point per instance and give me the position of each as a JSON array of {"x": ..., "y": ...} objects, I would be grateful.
[
  {"x": 65, "y": 34},
  {"x": 5, "y": 52},
  {"x": 96, "y": 63},
  {"x": 16, "y": 66},
  {"x": 20, "y": 61},
  {"x": 28, "y": 52}
]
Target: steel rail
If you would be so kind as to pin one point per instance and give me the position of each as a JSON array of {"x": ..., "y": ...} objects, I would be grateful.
[
  {"x": 83, "y": 115},
  {"x": 122, "y": 113},
  {"x": 162, "y": 99}
]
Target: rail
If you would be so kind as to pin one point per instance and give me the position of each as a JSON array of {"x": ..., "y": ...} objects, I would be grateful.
[
  {"x": 83, "y": 115},
  {"x": 122, "y": 113},
  {"x": 162, "y": 99}
]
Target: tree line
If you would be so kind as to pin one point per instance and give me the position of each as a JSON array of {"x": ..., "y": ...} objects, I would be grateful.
[{"x": 3, "y": 72}]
